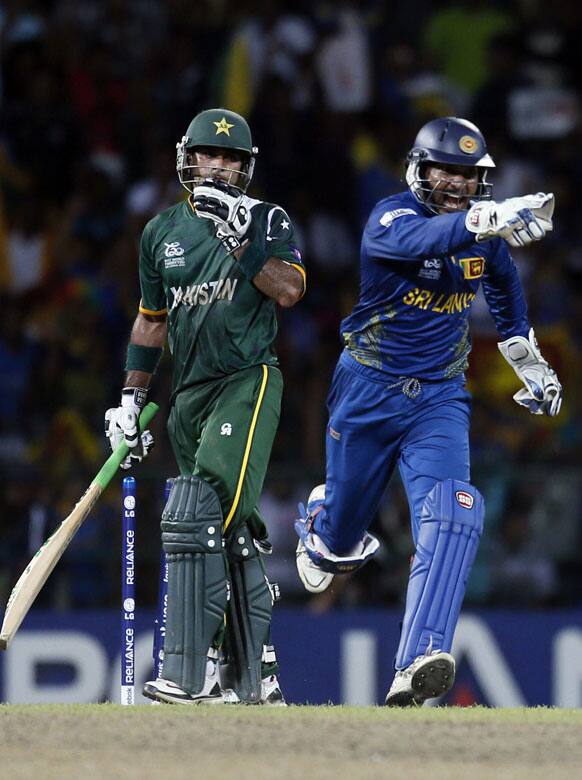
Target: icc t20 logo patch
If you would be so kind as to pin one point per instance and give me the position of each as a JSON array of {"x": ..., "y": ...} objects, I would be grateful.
[
  {"x": 431, "y": 268},
  {"x": 173, "y": 255}
]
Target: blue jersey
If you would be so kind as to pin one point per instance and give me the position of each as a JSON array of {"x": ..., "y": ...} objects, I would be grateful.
[{"x": 419, "y": 276}]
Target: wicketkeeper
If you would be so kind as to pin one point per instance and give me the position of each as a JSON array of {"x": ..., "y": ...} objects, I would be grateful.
[{"x": 398, "y": 395}]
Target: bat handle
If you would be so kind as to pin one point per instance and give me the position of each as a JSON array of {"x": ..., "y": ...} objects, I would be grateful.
[{"x": 106, "y": 474}]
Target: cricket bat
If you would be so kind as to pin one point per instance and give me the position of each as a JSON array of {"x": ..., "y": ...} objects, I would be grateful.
[{"x": 38, "y": 570}]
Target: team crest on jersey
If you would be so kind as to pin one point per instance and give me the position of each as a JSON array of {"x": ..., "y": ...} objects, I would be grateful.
[
  {"x": 431, "y": 268},
  {"x": 173, "y": 255},
  {"x": 473, "y": 267}
]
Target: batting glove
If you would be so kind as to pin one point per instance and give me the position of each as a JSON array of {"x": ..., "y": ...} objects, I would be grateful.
[
  {"x": 517, "y": 220},
  {"x": 542, "y": 392},
  {"x": 223, "y": 204},
  {"x": 121, "y": 425}
]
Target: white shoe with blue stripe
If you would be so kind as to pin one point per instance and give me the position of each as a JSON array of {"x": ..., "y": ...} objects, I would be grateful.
[{"x": 311, "y": 575}]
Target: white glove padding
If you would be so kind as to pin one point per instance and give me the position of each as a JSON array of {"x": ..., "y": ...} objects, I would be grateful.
[
  {"x": 517, "y": 220},
  {"x": 225, "y": 205},
  {"x": 121, "y": 424},
  {"x": 542, "y": 391}
]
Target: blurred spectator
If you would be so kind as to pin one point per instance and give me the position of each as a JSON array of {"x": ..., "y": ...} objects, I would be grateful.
[
  {"x": 490, "y": 107},
  {"x": 551, "y": 43},
  {"x": 269, "y": 41},
  {"x": 522, "y": 575},
  {"x": 457, "y": 36},
  {"x": 28, "y": 518},
  {"x": 378, "y": 160},
  {"x": 158, "y": 190},
  {"x": 411, "y": 86},
  {"x": 343, "y": 62},
  {"x": 17, "y": 360}
]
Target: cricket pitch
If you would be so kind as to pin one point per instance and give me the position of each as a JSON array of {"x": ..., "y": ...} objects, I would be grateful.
[{"x": 73, "y": 742}]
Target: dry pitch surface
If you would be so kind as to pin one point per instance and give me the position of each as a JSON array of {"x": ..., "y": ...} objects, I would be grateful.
[{"x": 83, "y": 742}]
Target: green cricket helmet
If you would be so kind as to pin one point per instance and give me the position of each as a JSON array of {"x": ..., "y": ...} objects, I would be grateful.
[{"x": 222, "y": 129}]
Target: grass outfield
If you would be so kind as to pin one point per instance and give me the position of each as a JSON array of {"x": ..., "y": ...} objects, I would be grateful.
[{"x": 83, "y": 742}]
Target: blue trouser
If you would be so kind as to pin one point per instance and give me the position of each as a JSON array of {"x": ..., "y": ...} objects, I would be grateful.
[
  {"x": 423, "y": 428},
  {"x": 372, "y": 428}
]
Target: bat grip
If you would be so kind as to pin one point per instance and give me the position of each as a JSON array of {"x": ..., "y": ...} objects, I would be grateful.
[{"x": 109, "y": 469}]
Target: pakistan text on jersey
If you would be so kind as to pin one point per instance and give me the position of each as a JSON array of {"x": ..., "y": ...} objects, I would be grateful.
[
  {"x": 201, "y": 294},
  {"x": 441, "y": 303}
]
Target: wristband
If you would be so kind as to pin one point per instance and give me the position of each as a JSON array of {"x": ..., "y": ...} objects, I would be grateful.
[
  {"x": 230, "y": 243},
  {"x": 140, "y": 358},
  {"x": 253, "y": 259}
]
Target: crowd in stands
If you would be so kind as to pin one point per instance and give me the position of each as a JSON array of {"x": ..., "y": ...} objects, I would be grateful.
[{"x": 94, "y": 96}]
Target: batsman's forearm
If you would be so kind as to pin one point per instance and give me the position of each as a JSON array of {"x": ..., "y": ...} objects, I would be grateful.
[
  {"x": 280, "y": 281},
  {"x": 137, "y": 379}
]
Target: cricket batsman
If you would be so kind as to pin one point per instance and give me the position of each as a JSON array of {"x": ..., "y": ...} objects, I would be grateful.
[
  {"x": 398, "y": 395},
  {"x": 212, "y": 270}
]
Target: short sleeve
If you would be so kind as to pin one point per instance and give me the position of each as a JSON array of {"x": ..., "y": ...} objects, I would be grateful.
[
  {"x": 153, "y": 298},
  {"x": 280, "y": 239}
]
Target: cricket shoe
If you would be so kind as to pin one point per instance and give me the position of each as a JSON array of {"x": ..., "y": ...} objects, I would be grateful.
[
  {"x": 271, "y": 694},
  {"x": 168, "y": 692},
  {"x": 311, "y": 575},
  {"x": 428, "y": 676}
]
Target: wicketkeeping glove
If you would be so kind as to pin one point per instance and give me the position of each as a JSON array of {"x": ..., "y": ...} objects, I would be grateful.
[
  {"x": 542, "y": 392},
  {"x": 121, "y": 424},
  {"x": 517, "y": 220},
  {"x": 223, "y": 204}
]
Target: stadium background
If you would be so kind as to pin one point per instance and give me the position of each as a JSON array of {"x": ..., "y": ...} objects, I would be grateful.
[{"x": 93, "y": 98}]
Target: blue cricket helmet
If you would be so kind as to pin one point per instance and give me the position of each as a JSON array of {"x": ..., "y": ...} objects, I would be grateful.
[{"x": 452, "y": 141}]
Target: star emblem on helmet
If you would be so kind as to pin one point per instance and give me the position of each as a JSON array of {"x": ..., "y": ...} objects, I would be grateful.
[{"x": 223, "y": 126}]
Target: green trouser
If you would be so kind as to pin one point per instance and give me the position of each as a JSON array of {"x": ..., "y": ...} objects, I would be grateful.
[{"x": 222, "y": 431}]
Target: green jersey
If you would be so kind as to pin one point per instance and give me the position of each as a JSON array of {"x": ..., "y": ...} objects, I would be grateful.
[{"x": 218, "y": 321}]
